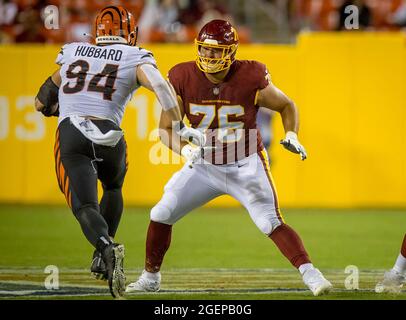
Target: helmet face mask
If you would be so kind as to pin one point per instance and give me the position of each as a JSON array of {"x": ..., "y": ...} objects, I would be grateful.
[
  {"x": 222, "y": 60},
  {"x": 114, "y": 24},
  {"x": 216, "y": 46}
]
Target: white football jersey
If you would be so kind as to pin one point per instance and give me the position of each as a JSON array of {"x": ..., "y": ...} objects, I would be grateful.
[{"x": 98, "y": 81}]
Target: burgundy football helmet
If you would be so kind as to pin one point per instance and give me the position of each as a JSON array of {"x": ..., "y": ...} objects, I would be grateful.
[{"x": 220, "y": 35}]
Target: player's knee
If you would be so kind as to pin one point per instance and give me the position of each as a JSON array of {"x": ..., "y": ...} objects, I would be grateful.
[
  {"x": 161, "y": 214},
  {"x": 264, "y": 225},
  {"x": 267, "y": 224}
]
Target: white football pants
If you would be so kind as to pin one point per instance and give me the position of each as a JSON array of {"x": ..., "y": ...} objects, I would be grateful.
[{"x": 249, "y": 181}]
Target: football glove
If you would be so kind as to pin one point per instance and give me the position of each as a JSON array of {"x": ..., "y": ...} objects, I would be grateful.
[
  {"x": 48, "y": 96},
  {"x": 191, "y": 135},
  {"x": 51, "y": 111},
  {"x": 292, "y": 144},
  {"x": 193, "y": 154}
]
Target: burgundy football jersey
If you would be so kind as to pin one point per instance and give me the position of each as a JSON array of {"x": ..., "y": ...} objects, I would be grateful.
[{"x": 227, "y": 110}]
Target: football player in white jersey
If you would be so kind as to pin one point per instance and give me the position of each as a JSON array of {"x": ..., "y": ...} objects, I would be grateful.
[{"x": 88, "y": 94}]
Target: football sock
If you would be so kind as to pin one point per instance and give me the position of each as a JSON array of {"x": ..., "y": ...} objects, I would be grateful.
[
  {"x": 400, "y": 265},
  {"x": 151, "y": 275},
  {"x": 304, "y": 267},
  {"x": 290, "y": 244},
  {"x": 403, "y": 249},
  {"x": 111, "y": 208},
  {"x": 158, "y": 241},
  {"x": 93, "y": 225},
  {"x": 102, "y": 243}
]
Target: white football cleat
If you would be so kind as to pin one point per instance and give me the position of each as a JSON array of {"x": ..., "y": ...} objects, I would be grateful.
[
  {"x": 316, "y": 282},
  {"x": 145, "y": 283},
  {"x": 392, "y": 282}
]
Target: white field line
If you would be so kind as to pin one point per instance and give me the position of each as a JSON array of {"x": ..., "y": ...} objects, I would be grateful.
[{"x": 175, "y": 285}]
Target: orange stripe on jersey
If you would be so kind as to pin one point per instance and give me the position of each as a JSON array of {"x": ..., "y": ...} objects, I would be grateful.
[{"x": 265, "y": 162}]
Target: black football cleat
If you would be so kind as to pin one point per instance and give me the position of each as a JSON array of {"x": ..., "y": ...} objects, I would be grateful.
[
  {"x": 98, "y": 267},
  {"x": 113, "y": 257}
]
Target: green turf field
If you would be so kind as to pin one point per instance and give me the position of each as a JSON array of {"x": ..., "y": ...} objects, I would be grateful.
[{"x": 215, "y": 254}]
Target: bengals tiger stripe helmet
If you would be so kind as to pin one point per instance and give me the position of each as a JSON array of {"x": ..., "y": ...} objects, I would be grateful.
[
  {"x": 114, "y": 24},
  {"x": 216, "y": 34}
]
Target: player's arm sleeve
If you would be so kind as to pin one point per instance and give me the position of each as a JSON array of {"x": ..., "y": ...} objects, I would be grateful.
[
  {"x": 149, "y": 76},
  {"x": 141, "y": 56}
]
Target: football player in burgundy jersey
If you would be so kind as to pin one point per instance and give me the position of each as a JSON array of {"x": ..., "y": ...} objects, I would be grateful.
[{"x": 221, "y": 96}]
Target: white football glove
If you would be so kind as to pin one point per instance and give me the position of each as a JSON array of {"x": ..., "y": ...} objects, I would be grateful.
[
  {"x": 292, "y": 144},
  {"x": 192, "y": 154},
  {"x": 192, "y": 135}
]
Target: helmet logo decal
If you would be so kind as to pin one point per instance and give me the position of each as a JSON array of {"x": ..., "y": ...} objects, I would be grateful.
[{"x": 210, "y": 41}]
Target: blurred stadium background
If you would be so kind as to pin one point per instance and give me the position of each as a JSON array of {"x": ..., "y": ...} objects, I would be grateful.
[{"x": 349, "y": 85}]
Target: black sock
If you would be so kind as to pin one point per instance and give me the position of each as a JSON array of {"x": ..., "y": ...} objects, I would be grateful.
[{"x": 102, "y": 244}]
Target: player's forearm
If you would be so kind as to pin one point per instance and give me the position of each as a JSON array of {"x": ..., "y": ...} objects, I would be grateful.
[
  {"x": 174, "y": 114},
  {"x": 290, "y": 117},
  {"x": 149, "y": 77},
  {"x": 170, "y": 120}
]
